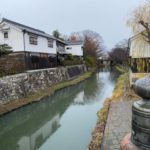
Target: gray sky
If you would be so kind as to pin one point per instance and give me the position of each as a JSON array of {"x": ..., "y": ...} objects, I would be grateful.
[{"x": 107, "y": 17}]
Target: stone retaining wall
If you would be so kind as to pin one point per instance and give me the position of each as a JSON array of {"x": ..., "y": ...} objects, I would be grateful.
[{"x": 20, "y": 85}]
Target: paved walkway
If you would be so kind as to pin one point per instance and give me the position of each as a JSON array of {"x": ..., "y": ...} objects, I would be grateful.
[{"x": 118, "y": 124}]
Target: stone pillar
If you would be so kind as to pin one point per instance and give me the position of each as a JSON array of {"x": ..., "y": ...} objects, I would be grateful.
[{"x": 140, "y": 136}]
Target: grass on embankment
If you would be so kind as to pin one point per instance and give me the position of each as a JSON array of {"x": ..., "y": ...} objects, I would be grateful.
[
  {"x": 98, "y": 132},
  {"x": 122, "y": 68},
  {"x": 14, "y": 104}
]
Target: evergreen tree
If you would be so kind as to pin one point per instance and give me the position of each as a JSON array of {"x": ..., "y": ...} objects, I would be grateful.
[
  {"x": 56, "y": 34},
  {"x": 5, "y": 49}
]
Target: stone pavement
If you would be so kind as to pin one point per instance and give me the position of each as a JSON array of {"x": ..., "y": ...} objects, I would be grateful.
[{"x": 118, "y": 124}]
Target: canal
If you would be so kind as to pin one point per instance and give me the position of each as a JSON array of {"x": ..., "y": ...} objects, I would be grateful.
[{"x": 63, "y": 121}]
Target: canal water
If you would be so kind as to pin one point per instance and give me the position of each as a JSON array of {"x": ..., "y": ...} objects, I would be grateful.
[{"x": 63, "y": 121}]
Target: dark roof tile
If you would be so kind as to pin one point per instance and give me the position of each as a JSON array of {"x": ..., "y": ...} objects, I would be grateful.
[{"x": 27, "y": 28}]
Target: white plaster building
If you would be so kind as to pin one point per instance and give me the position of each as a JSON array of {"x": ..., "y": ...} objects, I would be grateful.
[
  {"x": 27, "y": 39},
  {"x": 38, "y": 49},
  {"x": 24, "y": 38},
  {"x": 75, "y": 48}
]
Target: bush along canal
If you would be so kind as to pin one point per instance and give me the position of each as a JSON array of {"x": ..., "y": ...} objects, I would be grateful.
[{"x": 62, "y": 121}]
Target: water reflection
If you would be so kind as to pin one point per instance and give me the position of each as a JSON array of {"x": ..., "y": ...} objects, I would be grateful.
[{"x": 29, "y": 127}]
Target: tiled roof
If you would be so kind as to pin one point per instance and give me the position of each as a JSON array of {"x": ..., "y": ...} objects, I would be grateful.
[
  {"x": 39, "y": 32},
  {"x": 74, "y": 42},
  {"x": 27, "y": 28}
]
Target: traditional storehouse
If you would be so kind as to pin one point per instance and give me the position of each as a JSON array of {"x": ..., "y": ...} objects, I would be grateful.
[
  {"x": 67, "y": 50},
  {"x": 38, "y": 47},
  {"x": 74, "y": 48},
  {"x": 139, "y": 57},
  {"x": 33, "y": 48}
]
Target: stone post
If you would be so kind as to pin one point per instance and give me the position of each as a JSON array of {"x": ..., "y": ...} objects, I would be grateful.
[{"x": 140, "y": 135}]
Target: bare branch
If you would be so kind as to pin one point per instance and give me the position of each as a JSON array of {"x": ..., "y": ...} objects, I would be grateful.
[{"x": 140, "y": 21}]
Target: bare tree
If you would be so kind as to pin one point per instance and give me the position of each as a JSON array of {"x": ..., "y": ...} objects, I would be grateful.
[
  {"x": 140, "y": 20},
  {"x": 120, "y": 53},
  {"x": 77, "y": 36},
  {"x": 93, "y": 45}
]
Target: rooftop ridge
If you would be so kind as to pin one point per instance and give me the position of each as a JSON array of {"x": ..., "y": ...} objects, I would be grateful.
[{"x": 21, "y": 25}]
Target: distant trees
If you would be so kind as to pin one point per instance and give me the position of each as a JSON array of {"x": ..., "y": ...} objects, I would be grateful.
[
  {"x": 5, "y": 49},
  {"x": 56, "y": 34},
  {"x": 73, "y": 38},
  {"x": 93, "y": 45},
  {"x": 120, "y": 53},
  {"x": 140, "y": 20},
  {"x": 76, "y": 36}
]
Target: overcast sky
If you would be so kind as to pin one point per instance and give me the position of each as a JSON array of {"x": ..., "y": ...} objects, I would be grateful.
[{"x": 107, "y": 17}]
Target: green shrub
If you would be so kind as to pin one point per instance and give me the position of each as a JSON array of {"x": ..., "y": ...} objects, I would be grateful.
[
  {"x": 90, "y": 61},
  {"x": 72, "y": 60}
]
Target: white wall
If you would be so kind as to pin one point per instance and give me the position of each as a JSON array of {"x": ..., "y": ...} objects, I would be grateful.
[
  {"x": 15, "y": 40},
  {"x": 75, "y": 50},
  {"x": 15, "y": 37},
  {"x": 41, "y": 47},
  {"x": 139, "y": 47}
]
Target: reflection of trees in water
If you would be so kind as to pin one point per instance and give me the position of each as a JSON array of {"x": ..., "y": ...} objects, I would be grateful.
[
  {"x": 114, "y": 76},
  {"x": 91, "y": 88},
  {"x": 104, "y": 69},
  {"x": 32, "y": 120},
  {"x": 113, "y": 73},
  {"x": 96, "y": 84}
]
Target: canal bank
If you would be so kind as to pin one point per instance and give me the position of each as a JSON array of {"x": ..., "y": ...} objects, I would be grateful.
[
  {"x": 62, "y": 121},
  {"x": 114, "y": 119},
  {"x": 49, "y": 77}
]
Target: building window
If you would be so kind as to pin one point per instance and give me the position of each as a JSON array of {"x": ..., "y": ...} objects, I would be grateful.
[
  {"x": 6, "y": 35},
  {"x": 50, "y": 42},
  {"x": 33, "y": 39},
  {"x": 68, "y": 48}
]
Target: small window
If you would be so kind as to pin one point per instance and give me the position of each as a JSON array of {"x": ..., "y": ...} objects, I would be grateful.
[
  {"x": 6, "y": 35},
  {"x": 33, "y": 39},
  {"x": 50, "y": 42},
  {"x": 69, "y": 48}
]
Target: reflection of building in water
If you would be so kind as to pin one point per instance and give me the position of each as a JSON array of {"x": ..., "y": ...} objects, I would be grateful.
[
  {"x": 29, "y": 127},
  {"x": 30, "y": 135},
  {"x": 34, "y": 140},
  {"x": 91, "y": 88},
  {"x": 79, "y": 99}
]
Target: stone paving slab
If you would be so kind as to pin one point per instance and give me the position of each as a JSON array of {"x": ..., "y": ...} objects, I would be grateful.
[{"x": 118, "y": 124}]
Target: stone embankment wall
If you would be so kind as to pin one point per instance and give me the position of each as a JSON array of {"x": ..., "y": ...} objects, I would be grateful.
[{"x": 20, "y": 85}]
